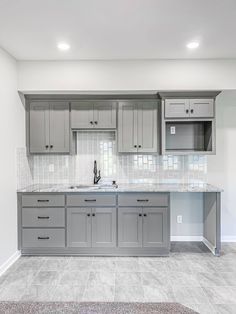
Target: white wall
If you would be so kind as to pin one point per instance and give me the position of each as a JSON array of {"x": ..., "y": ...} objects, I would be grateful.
[
  {"x": 11, "y": 137},
  {"x": 127, "y": 75},
  {"x": 222, "y": 166},
  {"x": 156, "y": 75}
]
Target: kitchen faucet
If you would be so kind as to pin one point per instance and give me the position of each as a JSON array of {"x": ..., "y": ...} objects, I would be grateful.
[{"x": 95, "y": 171}]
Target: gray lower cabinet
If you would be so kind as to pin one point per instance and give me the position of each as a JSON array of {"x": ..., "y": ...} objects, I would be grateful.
[
  {"x": 130, "y": 227},
  {"x": 137, "y": 126},
  {"x": 48, "y": 127},
  {"x": 104, "y": 227},
  {"x": 43, "y": 238},
  {"x": 78, "y": 227},
  {"x": 93, "y": 114},
  {"x": 155, "y": 227},
  {"x": 94, "y": 227},
  {"x": 143, "y": 227}
]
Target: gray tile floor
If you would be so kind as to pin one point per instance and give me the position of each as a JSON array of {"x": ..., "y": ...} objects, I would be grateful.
[{"x": 191, "y": 276}]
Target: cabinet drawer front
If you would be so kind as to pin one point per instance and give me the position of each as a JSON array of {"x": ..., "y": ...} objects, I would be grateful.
[
  {"x": 43, "y": 200},
  {"x": 143, "y": 199},
  {"x": 43, "y": 217},
  {"x": 35, "y": 238},
  {"x": 91, "y": 200}
]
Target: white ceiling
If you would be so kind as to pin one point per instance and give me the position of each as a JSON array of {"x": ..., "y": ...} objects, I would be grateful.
[{"x": 118, "y": 29}]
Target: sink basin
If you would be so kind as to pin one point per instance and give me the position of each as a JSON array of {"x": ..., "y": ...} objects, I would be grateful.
[{"x": 92, "y": 187}]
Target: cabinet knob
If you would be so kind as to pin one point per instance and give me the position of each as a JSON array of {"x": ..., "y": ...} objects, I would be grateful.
[
  {"x": 140, "y": 215},
  {"x": 95, "y": 122},
  {"x": 46, "y": 146},
  {"x": 91, "y": 122},
  {"x": 145, "y": 215},
  {"x": 51, "y": 146},
  {"x": 93, "y": 215},
  {"x": 191, "y": 111},
  {"x": 135, "y": 146},
  {"x": 187, "y": 111},
  {"x": 88, "y": 215},
  {"x": 139, "y": 146}
]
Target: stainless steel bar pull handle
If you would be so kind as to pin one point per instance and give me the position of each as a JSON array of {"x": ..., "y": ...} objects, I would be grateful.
[
  {"x": 142, "y": 200},
  {"x": 43, "y": 217},
  {"x": 90, "y": 200},
  {"x": 42, "y": 201},
  {"x": 43, "y": 238}
]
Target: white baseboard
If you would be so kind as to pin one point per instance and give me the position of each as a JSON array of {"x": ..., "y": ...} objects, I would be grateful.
[
  {"x": 228, "y": 239},
  {"x": 187, "y": 238},
  {"x": 11, "y": 260}
]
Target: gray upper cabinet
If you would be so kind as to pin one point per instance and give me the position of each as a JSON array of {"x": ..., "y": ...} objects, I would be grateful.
[
  {"x": 177, "y": 108},
  {"x": 189, "y": 108},
  {"x": 39, "y": 127},
  {"x": 127, "y": 127},
  {"x": 104, "y": 227},
  {"x": 49, "y": 127},
  {"x": 93, "y": 114},
  {"x": 59, "y": 127},
  {"x": 79, "y": 227},
  {"x": 137, "y": 127},
  {"x": 201, "y": 108},
  {"x": 155, "y": 227},
  {"x": 130, "y": 227}
]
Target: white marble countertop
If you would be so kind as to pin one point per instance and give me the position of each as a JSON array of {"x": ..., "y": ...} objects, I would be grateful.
[{"x": 132, "y": 187}]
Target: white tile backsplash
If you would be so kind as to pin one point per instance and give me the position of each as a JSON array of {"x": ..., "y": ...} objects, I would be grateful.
[{"x": 124, "y": 168}]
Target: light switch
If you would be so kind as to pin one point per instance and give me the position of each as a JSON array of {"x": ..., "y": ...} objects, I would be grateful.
[
  {"x": 172, "y": 130},
  {"x": 179, "y": 219}
]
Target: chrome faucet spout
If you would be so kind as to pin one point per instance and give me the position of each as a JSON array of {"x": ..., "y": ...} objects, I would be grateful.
[{"x": 96, "y": 177}]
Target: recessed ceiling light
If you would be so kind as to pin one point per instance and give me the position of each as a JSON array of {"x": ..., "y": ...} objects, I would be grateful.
[
  {"x": 192, "y": 45},
  {"x": 63, "y": 46}
]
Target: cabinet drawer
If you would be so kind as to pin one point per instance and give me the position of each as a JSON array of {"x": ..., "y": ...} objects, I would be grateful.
[
  {"x": 35, "y": 238},
  {"x": 43, "y": 200},
  {"x": 91, "y": 200},
  {"x": 143, "y": 199},
  {"x": 43, "y": 217}
]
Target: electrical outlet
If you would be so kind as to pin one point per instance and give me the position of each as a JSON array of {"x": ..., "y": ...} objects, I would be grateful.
[
  {"x": 179, "y": 219},
  {"x": 172, "y": 130},
  {"x": 51, "y": 168}
]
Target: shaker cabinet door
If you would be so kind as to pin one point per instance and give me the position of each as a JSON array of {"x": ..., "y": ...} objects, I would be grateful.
[
  {"x": 201, "y": 108},
  {"x": 104, "y": 114},
  {"x": 155, "y": 227},
  {"x": 82, "y": 115},
  {"x": 39, "y": 127},
  {"x": 104, "y": 227},
  {"x": 59, "y": 127},
  {"x": 127, "y": 127},
  {"x": 147, "y": 127},
  {"x": 79, "y": 227},
  {"x": 177, "y": 108},
  {"x": 130, "y": 227}
]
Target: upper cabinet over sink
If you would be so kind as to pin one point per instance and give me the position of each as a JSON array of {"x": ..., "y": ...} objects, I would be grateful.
[
  {"x": 137, "y": 126},
  {"x": 48, "y": 127},
  {"x": 93, "y": 114}
]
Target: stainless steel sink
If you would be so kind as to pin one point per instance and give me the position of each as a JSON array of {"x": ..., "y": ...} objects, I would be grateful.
[{"x": 92, "y": 187}]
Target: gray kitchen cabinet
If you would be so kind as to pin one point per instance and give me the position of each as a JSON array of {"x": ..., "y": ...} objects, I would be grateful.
[
  {"x": 49, "y": 127},
  {"x": 201, "y": 108},
  {"x": 155, "y": 227},
  {"x": 93, "y": 114},
  {"x": 59, "y": 127},
  {"x": 130, "y": 227},
  {"x": 137, "y": 127},
  {"x": 189, "y": 108},
  {"x": 79, "y": 227},
  {"x": 39, "y": 127},
  {"x": 104, "y": 227},
  {"x": 94, "y": 227},
  {"x": 127, "y": 128},
  {"x": 177, "y": 108}
]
